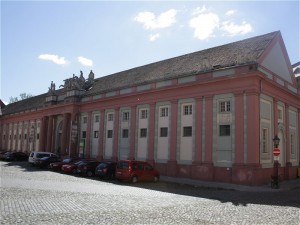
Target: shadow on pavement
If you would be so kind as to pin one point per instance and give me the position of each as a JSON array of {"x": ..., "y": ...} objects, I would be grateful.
[{"x": 290, "y": 198}]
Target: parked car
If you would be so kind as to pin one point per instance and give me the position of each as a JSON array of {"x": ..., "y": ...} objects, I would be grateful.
[
  {"x": 2, "y": 154},
  {"x": 72, "y": 168},
  {"x": 45, "y": 161},
  {"x": 33, "y": 156},
  {"x": 56, "y": 166},
  {"x": 134, "y": 171},
  {"x": 87, "y": 168},
  {"x": 15, "y": 156},
  {"x": 106, "y": 170}
]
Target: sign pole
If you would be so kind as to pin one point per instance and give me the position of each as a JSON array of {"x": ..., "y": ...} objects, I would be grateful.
[{"x": 275, "y": 178}]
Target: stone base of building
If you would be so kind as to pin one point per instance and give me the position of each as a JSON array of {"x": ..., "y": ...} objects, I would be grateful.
[{"x": 243, "y": 174}]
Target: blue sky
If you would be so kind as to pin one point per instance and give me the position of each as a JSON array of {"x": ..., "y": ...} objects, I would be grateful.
[{"x": 44, "y": 41}]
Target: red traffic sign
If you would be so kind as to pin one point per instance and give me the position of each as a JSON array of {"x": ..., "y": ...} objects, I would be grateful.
[{"x": 276, "y": 151}]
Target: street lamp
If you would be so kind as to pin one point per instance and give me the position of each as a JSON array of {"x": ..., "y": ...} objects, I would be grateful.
[
  {"x": 276, "y": 141},
  {"x": 275, "y": 178}
]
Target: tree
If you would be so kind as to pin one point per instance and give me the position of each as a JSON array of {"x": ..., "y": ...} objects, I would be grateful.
[{"x": 22, "y": 97}]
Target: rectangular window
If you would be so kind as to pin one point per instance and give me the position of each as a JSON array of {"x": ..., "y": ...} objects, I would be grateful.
[
  {"x": 265, "y": 139},
  {"x": 187, "y": 110},
  {"x": 110, "y": 116},
  {"x": 164, "y": 132},
  {"x": 25, "y": 136},
  {"x": 83, "y": 134},
  {"x": 97, "y": 118},
  {"x": 143, "y": 132},
  {"x": 292, "y": 143},
  {"x": 224, "y": 130},
  {"x": 96, "y": 134},
  {"x": 84, "y": 119},
  {"x": 279, "y": 114},
  {"x": 109, "y": 133},
  {"x": 224, "y": 106},
  {"x": 164, "y": 112},
  {"x": 125, "y": 116},
  {"x": 37, "y": 136},
  {"x": 20, "y": 136},
  {"x": 144, "y": 114},
  {"x": 187, "y": 131},
  {"x": 125, "y": 133}
]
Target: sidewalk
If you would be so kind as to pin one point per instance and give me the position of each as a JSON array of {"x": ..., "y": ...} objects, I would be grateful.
[{"x": 283, "y": 186}]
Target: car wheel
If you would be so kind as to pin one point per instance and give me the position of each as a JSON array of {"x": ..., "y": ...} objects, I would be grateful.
[
  {"x": 89, "y": 173},
  {"x": 134, "y": 179},
  {"x": 112, "y": 176},
  {"x": 156, "y": 179},
  {"x": 73, "y": 171}
]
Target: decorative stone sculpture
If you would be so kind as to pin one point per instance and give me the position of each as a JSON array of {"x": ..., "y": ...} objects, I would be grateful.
[
  {"x": 52, "y": 89},
  {"x": 79, "y": 83}
]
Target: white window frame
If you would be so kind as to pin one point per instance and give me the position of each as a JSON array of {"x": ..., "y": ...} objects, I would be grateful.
[
  {"x": 188, "y": 109},
  {"x": 292, "y": 143},
  {"x": 144, "y": 114},
  {"x": 164, "y": 112},
  {"x": 224, "y": 106},
  {"x": 110, "y": 117},
  {"x": 125, "y": 116},
  {"x": 265, "y": 140}
]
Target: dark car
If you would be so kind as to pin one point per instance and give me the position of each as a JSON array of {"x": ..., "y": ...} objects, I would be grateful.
[
  {"x": 15, "y": 156},
  {"x": 131, "y": 170},
  {"x": 106, "y": 170},
  {"x": 72, "y": 167},
  {"x": 2, "y": 154},
  {"x": 56, "y": 166},
  {"x": 87, "y": 168},
  {"x": 45, "y": 161}
]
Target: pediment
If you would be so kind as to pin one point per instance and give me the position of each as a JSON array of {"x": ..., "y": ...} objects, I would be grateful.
[{"x": 275, "y": 61}]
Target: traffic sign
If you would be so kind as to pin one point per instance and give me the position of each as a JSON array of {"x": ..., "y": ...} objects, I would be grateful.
[{"x": 276, "y": 151}]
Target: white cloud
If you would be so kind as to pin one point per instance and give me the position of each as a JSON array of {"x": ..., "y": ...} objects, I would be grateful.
[
  {"x": 233, "y": 29},
  {"x": 54, "y": 58},
  {"x": 151, "y": 21},
  {"x": 230, "y": 12},
  {"x": 199, "y": 10},
  {"x": 153, "y": 37},
  {"x": 204, "y": 25},
  {"x": 84, "y": 61}
]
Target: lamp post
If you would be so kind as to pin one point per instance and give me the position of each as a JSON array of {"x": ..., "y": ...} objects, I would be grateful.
[{"x": 276, "y": 152}]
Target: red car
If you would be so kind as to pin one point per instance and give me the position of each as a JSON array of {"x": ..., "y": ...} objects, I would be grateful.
[
  {"x": 71, "y": 168},
  {"x": 57, "y": 165},
  {"x": 134, "y": 171}
]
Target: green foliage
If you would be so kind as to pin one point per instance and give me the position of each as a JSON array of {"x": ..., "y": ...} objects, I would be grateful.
[{"x": 22, "y": 97}]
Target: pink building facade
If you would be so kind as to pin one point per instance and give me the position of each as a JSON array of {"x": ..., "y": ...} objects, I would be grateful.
[{"x": 209, "y": 115}]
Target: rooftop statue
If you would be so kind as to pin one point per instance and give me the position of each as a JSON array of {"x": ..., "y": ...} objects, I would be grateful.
[
  {"x": 78, "y": 83},
  {"x": 52, "y": 88}
]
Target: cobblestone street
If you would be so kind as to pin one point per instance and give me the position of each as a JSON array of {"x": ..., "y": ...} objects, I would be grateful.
[{"x": 33, "y": 196}]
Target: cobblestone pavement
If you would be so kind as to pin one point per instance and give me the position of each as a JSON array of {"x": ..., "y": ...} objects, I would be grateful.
[{"x": 33, "y": 196}]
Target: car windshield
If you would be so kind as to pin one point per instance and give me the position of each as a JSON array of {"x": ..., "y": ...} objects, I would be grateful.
[
  {"x": 45, "y": 158},
  {"x": 123, "y": 165},
  {"x": 67, "y": 160},
  {"x": 41, "y": 155},
  {"x": 79, "y": 162},
  {"x": 103, "y": 165}
]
